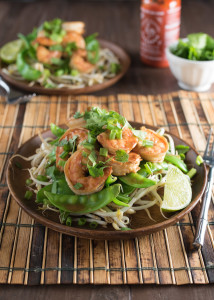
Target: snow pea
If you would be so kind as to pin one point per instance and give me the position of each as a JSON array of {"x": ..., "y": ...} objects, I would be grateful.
[
  {"x": 82, "y": 204},
  {"x": 56, "y": 130},
  {"x": 59, "y": 184},
  {"x": 154, "y": 167},
  {"x": 126, "y": 189},
  {"x": 27, "y": 72},
  {"x": 137, "y": 181},
  {"x": 176, "y": 162}
]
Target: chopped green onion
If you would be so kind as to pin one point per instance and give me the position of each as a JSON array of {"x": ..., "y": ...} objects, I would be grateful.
[
  {"x": 42, "y": 178},
  {"x": 125, "y": 228},
  {"x": 28, "y": 195},
  {"x": 64, "y": 154},
  {"x": 78, "y": 185},
  {"x": 68, "y": 221},
  {"x": 74, "y": 72},
  {"x": 147, "y": 143},
  {"x": 18, "y": 165},
  {"x": 192, "y": 172},
  {"x": 93, "y": 225},
  {"x": 112, "y": 134},
  {"x": 120, "y": 203},
  {"x": 119, "y": 134},
  {"x": 115, "y": 68},
  {"x": 81, "y": 221},
  {"x": 148, "y": 169},
  {"x": 199, "y": 160},
  {"x": 104, "y": 152},
  {"x": 29, "y": 181},
  {"x": 61, "y": 163},
  {"x": 93, "y": 157},
  {"x": 88, "y": 146}
]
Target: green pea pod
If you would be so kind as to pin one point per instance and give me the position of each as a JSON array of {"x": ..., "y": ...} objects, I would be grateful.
[
  {"x": 137, "y": 181},
  {"x": 176, "y": 162},
  {"x": 40, "y": 196},
  {"x": 82, "y": 204},
  {"x": 27, "y": 72},
  {"x": 126, "y": 189},
  {"x": 56, "y": 130},
  {"x": 62, "y": 189},
  {"x": 154, "y": 167}
]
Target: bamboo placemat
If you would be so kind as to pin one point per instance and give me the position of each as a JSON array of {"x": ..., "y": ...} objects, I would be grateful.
[{"x": 32, "y": 254}]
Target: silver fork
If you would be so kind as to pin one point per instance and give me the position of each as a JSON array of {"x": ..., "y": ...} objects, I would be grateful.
[
  {"x": 202, "y": 223},
  {"x": 12, "y": 96}
]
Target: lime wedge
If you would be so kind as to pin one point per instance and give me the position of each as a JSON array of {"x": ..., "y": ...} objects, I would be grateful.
[
  {"x": 177, "y": 191},
  {"x": 9, "y": 51}
]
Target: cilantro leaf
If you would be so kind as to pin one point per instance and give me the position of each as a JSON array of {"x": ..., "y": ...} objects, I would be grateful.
[
  {"x": 78, "y": 115},
  {"x": 96, "y": 172},
  {"x": 139, "y": 133},
  {"x": 121, "y": 156},
  {"x": 78, "y": 185}
]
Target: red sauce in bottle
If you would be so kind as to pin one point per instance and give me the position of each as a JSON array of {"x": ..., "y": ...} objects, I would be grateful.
[{"x": 160, "y": 26}]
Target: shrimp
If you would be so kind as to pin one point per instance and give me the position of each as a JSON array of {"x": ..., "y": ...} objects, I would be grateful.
[
  {"x": 75, "y": 172},
  {"x": 120, "y": 168},
  {"x": 45, "y": 56},
  {"x": 82, "y": 134},
  {"x": 157, "y": 152},
  {"x": 78, "y": 27},
  {"x": 42, "y": 39},
  {"x": 127, "y": 143},
  {"x": 74, "y": 37},
  {"x": 76, "y": 123},
  {"x": 81, "y": 64}
]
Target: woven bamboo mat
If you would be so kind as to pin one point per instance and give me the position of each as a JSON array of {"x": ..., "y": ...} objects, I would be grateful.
[{"x": 32, "y": 254}]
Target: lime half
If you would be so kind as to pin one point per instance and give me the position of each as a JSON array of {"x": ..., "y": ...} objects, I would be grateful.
[
  {"x": 177, "y": 191},
  {"x": 9, "y": 51}
]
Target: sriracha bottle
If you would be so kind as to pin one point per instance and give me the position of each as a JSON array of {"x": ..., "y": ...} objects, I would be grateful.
[{"x": 160, "y": 26}]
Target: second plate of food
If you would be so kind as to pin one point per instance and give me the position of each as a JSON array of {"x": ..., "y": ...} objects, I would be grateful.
[
  {"x": 85, "y": 200},
  {"x": 57, "y": 59}
]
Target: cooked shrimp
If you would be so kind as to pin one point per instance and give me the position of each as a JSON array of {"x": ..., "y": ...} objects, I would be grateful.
[
  {"x": 76, "y": 123},
  {"x": 120, "y": 168},
  {"x": 155, "y": 153},
  {"x": 75, "y": 172},
  {"x": 127, "y": 143},
  {"x": 74, "y": 37},
  {"x": 82, "y": 135},
  {"x": 81, "y": 64},
  {"x": 45, "y": 56},
  {"x": 42, "y": 39},
  {"x": 78, "y": 27}
]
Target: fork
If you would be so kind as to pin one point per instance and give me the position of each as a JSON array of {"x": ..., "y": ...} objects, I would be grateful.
[
  {"x": 202, "y": 223},
  {"x": 13, "y": 96}
]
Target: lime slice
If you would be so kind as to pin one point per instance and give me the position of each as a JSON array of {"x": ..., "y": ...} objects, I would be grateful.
[
  {"x": 177, "y": 191},
  {"x": 9, "y": 51}
]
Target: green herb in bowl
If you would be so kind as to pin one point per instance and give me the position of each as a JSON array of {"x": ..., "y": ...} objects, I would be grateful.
[{"x": 197, "y": 46}]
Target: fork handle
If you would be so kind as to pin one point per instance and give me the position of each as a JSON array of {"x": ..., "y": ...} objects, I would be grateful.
[{"x": 202, "y": 223}]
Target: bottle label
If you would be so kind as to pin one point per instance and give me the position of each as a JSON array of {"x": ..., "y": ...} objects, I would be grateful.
[{"x": 159, "y": 28}]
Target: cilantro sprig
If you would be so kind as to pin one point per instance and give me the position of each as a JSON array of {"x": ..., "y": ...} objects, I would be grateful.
[{"x": 121, "y": 156}]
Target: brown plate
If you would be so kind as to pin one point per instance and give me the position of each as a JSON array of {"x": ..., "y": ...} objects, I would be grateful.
[
  {"x": 118, "y": 51},
  {"x": 140, "y": 223}
]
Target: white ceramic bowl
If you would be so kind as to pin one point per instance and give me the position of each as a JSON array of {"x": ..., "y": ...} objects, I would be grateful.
[{"x": 191, "y": 75}]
